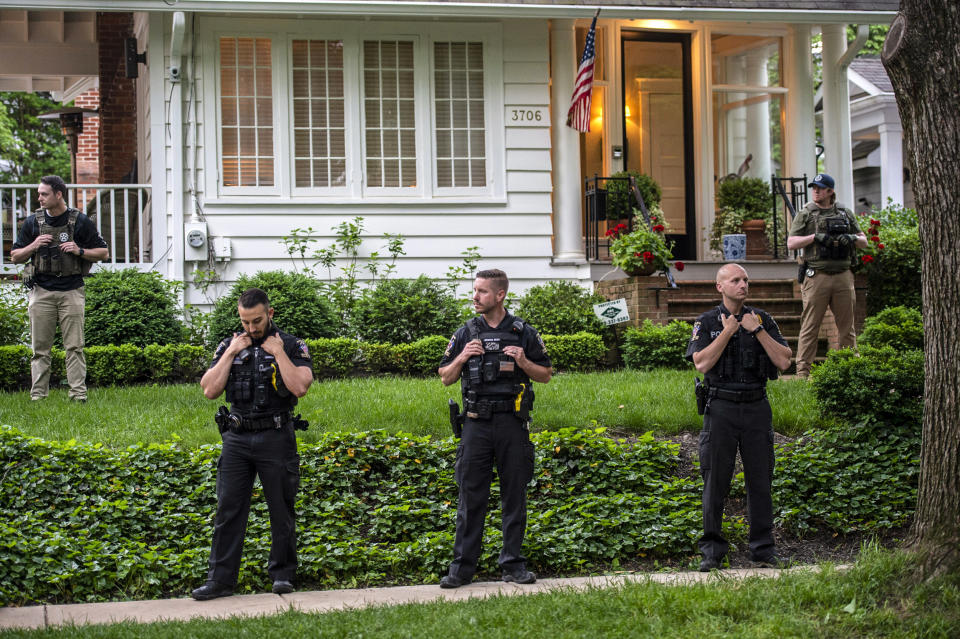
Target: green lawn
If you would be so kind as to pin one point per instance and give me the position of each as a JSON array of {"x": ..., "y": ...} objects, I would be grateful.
[
  {"x": 878, "y": 597},
  {"x": 625, "y": 401}
]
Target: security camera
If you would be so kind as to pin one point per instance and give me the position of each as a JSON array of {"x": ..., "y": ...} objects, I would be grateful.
[{"x": 174, "y": 74}]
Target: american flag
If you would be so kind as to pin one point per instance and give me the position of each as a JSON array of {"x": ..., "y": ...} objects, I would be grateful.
[{"x": 578, "y": 117}]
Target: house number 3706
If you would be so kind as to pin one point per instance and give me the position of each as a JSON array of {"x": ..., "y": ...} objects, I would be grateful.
[{"x": 526, "y": 116}]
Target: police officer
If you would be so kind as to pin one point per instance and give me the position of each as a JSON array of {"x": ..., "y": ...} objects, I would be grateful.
[
  {"x": 829, "y": 236},
  {"x": 737, "y": 348},
  {"x": 496, "y": 356},
  {"x": 264, "y": 371}
]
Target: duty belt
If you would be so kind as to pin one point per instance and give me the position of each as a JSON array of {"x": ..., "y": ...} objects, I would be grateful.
[
  {"x": 482, "y": 408},
  {"x": 256, "y": 424},
  {"x": 741, "y": 396}
]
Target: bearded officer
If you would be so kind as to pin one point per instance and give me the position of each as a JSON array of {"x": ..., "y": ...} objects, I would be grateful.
[
  {"x": 496, "y": 356},
  {"x": 263, "y": 371},
  {"x": 737, "y": 348}
]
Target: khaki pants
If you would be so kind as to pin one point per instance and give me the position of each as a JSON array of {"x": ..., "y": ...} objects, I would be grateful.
[
  {"x": 47, "y": 309},
  {"x": 825, "y": 290}
]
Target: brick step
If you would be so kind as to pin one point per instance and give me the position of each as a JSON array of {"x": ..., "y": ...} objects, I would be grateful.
[
  {"x": 776, "y": 306},
  {"x": 758, "y": 288}
]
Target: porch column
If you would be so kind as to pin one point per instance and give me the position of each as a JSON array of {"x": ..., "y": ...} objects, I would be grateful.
[
  {"x": 801, "y": 134},
  {"x": 565, "y": 147},
  {"x": 891, "y": 163},
  {"x": 758, "y": 117},
  {"x": 838, "y": 155}
]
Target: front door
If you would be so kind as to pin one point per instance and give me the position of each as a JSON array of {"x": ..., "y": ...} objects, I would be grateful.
[{"x": 657, "y": 124}]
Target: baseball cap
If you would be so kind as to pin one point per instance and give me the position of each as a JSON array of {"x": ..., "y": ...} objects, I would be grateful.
[{"x": 823, "y": 180}]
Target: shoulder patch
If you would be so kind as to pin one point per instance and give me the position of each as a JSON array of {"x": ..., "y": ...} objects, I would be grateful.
[
  {"x": 302, "y": 349},
  {"x": 220, "y": 348},
  {"x": 542, "y": 345},
  {"x": 696, "y": 331},
  {"x": 450, "y": 344}
]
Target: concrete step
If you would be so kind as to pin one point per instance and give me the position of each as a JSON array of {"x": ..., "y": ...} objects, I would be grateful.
[{"x": 776, "y": 306}]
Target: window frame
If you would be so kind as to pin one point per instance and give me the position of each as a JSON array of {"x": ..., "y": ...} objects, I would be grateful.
[{"x": 281, "y": 33}]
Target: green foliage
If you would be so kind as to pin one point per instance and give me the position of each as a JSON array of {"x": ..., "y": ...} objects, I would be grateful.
[
  {"x": 898, "y": 326},
  {"x": 581, "y": 351},
  {"x": 848, "y": 479},
  {"x": 300, "y": 306},
  {"x": 14, "y": 320},
  {"x": 372, "y": 509},
  {"x": 620, "y": 202},
  {"x": 642, "y": 250},
  {"x": 400, "y": 311},
  {"x": 877, "y": 386},
  {"x": 657, "y": 345},
  {"x": 30, "y": 147},
  {"x": 131, "y": 307},
  {"x": 122, "y": 365},
  {"x": 892, "y": 261},
  {"x": 560, "y": 308},
  {"x": 739, "y": 200}
]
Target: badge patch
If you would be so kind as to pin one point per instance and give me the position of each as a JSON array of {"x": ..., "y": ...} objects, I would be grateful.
[
  {"x": 542, "y": 345},
  {"x": 302, "y": 347},
  {"x": 491, "y": 345},
  {"x": 696, "y": 331},
  {"x": 222, "y": 347},
  {"x": 64, "y": 237},
  {"x": 446, "y": 353}
]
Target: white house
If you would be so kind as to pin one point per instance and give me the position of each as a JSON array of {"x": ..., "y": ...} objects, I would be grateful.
[{"x": 442, "y": 121}]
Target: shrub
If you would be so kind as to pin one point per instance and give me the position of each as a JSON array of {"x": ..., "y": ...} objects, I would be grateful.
[
  {"x": 401, "y": 311},
  {"x": 427, "y": 353},
  {"x": 739, "y": 200},
  {"x": 620, "y": 202},
  {"x": 898, "y": 326},
  {"x": 14, "y": 320},
  {"x": 333, "y": 357},
  {"x": 877, "y": 386},
  {"x": 300, "y": 307},
  {"x": 560, "y": 308},
  {"x": 581, "y": 351},
  {"x": 131, "y": 307},
  {"x": 115, "y": 365},
  {"x": 894, "y": 278},
  {"x": 656, "y": 346},
  {"x": 14, "y": 367}
]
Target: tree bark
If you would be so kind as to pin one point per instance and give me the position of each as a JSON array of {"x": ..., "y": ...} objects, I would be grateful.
[{"x": 922, "y": 58}]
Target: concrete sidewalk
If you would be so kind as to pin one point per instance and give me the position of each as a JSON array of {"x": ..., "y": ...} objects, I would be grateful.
[{"x": 49, "y": 616}]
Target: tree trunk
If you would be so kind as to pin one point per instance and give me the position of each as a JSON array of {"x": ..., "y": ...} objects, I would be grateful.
[{"x": 922, "y": 58}]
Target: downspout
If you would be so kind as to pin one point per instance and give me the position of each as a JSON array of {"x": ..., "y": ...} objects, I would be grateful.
[
  {"x": 863, "y": 32},
  {"x": 176, "y": 143}
]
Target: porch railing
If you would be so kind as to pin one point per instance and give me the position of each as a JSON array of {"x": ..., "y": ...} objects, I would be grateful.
[
  {"x": 121, "y": 213},
  {"x": 789, "y": 194},
  {"x": 603, "y": 203}
]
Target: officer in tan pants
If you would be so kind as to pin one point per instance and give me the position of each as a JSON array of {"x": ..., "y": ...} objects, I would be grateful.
[{"x": 829, "y": 236}]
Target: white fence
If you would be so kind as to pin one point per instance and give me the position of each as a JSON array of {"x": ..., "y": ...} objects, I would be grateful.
[{"x": 120, "y": 211}]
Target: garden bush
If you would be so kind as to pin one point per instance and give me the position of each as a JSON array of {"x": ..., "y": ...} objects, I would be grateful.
[
  {"x": 879, "y": 386},
  {"x": 655, "y": 345},
  {"x": 300, "y": 306},
  {"x": 85, "y": 523},
  {"x": 581, "y": 351},
  {"x": 401, "y": 311},
  {"x": 900, "y": 327},
  {"x": 893, "y": 278},
  {"x": 14, "y": 321},
  {"x": 620, "y": 202},
  {"x": 131, "y": 307},
  {"x": 560, "y": 308}
]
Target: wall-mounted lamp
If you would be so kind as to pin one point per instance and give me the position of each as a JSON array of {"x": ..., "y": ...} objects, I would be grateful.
[
  {"x": 132, "y": 58},
  {"x": 626, "y": 111},
  {"x": 71, "y": 125}
]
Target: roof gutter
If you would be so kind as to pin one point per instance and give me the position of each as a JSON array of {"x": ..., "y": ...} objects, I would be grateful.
[{"x": 419, "y": 9}]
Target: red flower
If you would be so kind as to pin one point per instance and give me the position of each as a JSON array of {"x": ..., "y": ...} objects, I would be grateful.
[
  {"x": 875, "y": 238},
  {"x": 874, "y": 231},
  {"x": 879, "y": 246},
  {"x": 874, "y": 222},
  {"x": 621, "y": 227},
  {"x": 638, "y": 254},
  {"x": 611, "y": 232},
  {"x": 648, "y": 257},
  {"x": 678, "y": 265},
  {"x": 658, "y": 228},
  {"x": 866, "y": 259}
]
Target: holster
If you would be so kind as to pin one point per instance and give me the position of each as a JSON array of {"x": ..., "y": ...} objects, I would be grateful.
[
  {"x": 223, "y": 420},
  {"x": 456, "y": 418},
  {"x": 702, "y": 392},
  {"x": 802, "y": 272},
  {"x": 299, "y": 423}
]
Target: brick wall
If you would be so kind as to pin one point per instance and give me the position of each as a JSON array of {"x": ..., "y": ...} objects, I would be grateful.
[
  {"x": 118, "y": 99},
  {"x": 88, "y": 144}
]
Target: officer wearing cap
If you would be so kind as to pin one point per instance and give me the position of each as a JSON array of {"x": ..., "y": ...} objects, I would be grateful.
[
  {"x": 496, "y": 356},
  {"x": 737, "y": 348},
  {"x": 828, "y": 234},
  {"x": 263, "y": 371}
]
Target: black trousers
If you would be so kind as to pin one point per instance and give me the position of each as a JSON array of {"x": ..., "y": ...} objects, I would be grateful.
[
  {"x": 271, "y": 454},
  {"x": 729, "y": 427},
  {"x": 504, "y": 441}
]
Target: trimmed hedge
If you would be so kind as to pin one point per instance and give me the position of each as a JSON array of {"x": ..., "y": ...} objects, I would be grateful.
[
  {"x": 81, "y": 522},
  {"x": 656, "y": 346},
  {"x": 332, "y": 357}
]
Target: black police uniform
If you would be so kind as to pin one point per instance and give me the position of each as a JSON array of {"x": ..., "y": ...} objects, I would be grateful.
[
  {"x": 737, "y": 416},
  {"x": 495, "y": 429},
  {"x": 258, "y": 439}
]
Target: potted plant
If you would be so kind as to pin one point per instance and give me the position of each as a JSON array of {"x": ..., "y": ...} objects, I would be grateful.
[
  {"x": 620, "y": 202},
  {"x": 644, "y": 250},
  {"x": 743, "y": 206}
]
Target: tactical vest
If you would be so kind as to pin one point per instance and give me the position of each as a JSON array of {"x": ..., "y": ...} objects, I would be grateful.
[
  {"x": 50, "y": 259},
  {"x": 744, "y": 363},
  {"x": 832, "y": 257},
  {"x": 493, "y": 382},
  {"x": 254, "y": 387}
]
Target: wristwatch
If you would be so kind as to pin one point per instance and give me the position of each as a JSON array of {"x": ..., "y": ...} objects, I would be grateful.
[
  {"x": 756, "y": 330},
  {"x": 80, "y": 254}
]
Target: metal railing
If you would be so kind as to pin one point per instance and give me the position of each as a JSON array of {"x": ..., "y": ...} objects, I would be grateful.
[
  {"x": 788, "y": 194},
  {"x": 121, "y": 213},
  {"x": 600, "y": 202}
]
